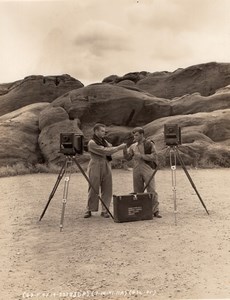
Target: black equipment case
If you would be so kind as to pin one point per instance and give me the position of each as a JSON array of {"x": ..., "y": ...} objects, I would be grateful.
[{"x": 132, "y": 207}]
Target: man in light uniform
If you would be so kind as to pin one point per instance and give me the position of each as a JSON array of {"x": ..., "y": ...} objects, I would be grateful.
[
  {"x": 145, "y": 159},
  {"x": 99, "y": 170}
]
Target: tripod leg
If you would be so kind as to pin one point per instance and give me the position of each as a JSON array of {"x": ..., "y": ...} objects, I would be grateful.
[
  {"x": 151, "y": 178},
  {"x": 60, "y": 175},
  {"x": 190, "y": 179},
  {"x": 87, "y": 179},
  {"x": 154, "y": 173},
  {"x": 173, "y": 169},
  {"x": 65, "y": 192}
]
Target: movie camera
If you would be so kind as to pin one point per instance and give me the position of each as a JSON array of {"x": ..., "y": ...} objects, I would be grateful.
[
  {"x": 71, "y": 143},
  {"x": 172, "y": 134}
]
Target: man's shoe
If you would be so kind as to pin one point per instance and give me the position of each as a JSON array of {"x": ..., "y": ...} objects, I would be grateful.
[
  {"x": 157, "y": 215},
  {"x": 104, "y": 214},
  {"x": 87, "y": 214}
]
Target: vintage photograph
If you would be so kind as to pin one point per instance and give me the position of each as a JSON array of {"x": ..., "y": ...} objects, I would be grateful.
[{"x": 115, "y": 149}]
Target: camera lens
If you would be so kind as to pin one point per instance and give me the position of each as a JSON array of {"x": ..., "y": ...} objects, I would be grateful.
[{"x": 65, "y": 139}]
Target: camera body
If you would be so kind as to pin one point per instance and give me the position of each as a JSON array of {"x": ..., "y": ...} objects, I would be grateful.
[
  {"x": 172, "y": 134},
  {"x": 71, "y": 143}
]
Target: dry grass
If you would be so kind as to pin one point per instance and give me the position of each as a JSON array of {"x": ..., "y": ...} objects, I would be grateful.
[{"x": 118, "y": 163}]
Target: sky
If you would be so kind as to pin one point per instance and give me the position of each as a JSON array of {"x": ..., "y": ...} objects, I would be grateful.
[{"x": 93, "y": 39}]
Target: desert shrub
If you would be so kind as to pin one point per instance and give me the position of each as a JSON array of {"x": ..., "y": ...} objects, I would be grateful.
[
  {"x": 214, "y": 162},
  {"x": 215, "y": 159},
  {"x": 120, "y": 164},
  {"x": 16, "y": 169},
  {"x": 207, "y": 164},
  {"x": 7, "y": 171},
  {"x": 24, "y": 168}
]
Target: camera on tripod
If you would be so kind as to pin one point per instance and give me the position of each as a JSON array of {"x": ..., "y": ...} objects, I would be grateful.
[
  {"x": 71, "y": 143},
  {"x": 172, "y": 134}
]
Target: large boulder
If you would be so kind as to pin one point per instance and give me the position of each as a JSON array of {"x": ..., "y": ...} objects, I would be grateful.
[
  {"x": 49, "y": 139},
  {"x": 51, "y": 115},
  {"x": 202, "y": 78},
  {"x": 122, "y": 106},
  {"x": 198, "y": 99},
  {"x": 77, "y": 111},
  {"x": 112, "y": 105},
  {"x": 121, "y": 109},
  {"x": 134, "y": 77},
  {"x": 205, "y": 137},
  {"x": 19, "y": 136},
  {"x": 34, "y": 89},
  {"x": 194, "y": 103}
]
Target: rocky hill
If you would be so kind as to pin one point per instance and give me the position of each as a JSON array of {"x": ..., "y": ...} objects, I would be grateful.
[
  {"x": 34, "y": 89},
  {"x": 34, "y": 112},
  {"x": 204, "y": 79}
]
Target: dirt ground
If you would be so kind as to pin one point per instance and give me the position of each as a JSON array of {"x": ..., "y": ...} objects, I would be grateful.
[{"x": 97, "y": 258}]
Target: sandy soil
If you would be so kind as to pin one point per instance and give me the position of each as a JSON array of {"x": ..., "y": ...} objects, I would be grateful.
[{"x": 97, "y": 258}]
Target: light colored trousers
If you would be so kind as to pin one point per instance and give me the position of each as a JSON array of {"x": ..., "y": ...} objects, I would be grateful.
[
  {"x": 141, "y": 175},
  {"x": 100, "y": 176}
]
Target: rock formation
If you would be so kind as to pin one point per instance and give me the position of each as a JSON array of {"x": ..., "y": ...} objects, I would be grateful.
[
  {"x": 19, "y": 136},
  {"x": 203, "y": 78},
  {"x": 34, "y": 112},
  {"x": 34, "y": 89},
  {"x": 49, "y": 139},
  {"x": 205, "y": 137},
  {"x": 122, "y": 108}
]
